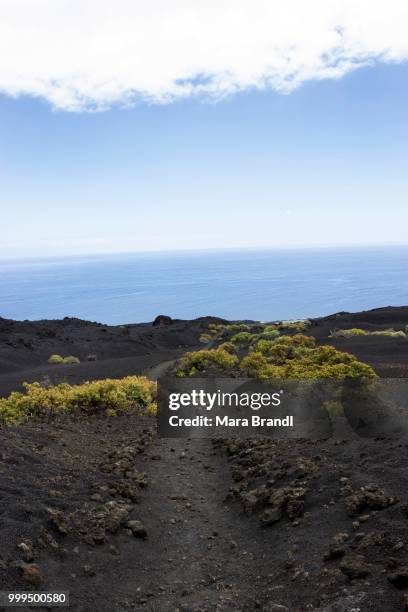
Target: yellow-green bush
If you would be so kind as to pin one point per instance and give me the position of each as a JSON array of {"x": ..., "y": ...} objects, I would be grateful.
[
  {"x": 118, "y": 395},
  {"x": 55, "y": 359},
  {"x": 205, "y": 338},
  {"x": 355, "y": 331},
  {"x": 285, "y": 347},
  {"x": 348, "y": 333},
  {"x": 228, "y": 346},
  {"x": 255, "y": 365},
  {"x": 216, "y": 327},
  {"x": 390, "y": 333},
  {"x": 270, "y": 334},
  {"x": 296, "y": 326},
  {"x": 306, "y": 362},
  {"x": 199, "y": 361},
  {"x": 242, "y": 338},
  {"x": 71, "y": 359},
  {"x": 297, "y": 340}
]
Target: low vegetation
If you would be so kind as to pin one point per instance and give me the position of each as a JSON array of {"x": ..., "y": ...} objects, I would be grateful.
[
  {"x": 298, "y": 357},
  {"x": 57, "y": 359},
  {"x": 355, "y": 331},
  {"x": 112, "y": 396},
  {"x": 205, "y": 338},
  {"x": 201, "y": 361},
  {"x": 295, "y": 356}
]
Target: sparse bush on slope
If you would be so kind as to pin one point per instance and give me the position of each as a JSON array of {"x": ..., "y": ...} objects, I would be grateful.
[
  {"x": 200, "y": 361},
  {"x": 71, "y": 359},
  {"x": 57, "y": 359},
  {"x": 110, "y": 395},
  {"x": 355, "y": 331},
  {"x": 293, "y": 357},
  {"x": 289, "y": 361},
  {"x": 390, "y": 333}
]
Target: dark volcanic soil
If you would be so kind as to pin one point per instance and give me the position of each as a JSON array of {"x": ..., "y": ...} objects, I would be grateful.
[
  {"x": 126, "y": 522},
  {"x": 104, "y": 351}
]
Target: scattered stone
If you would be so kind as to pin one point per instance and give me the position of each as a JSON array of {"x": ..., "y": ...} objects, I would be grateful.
[
  {"x": 274, "y": 607},
  {"x": 97, "y": 497},
  {"x": 27, "y": 551},
  {"x": 341, "y": 537},
  {"x": 270, "y": 516},
  {"x": 349, "y": 603},
  {"x": 399, "y": 578},
  {"x": 370, "y": 496},
  {"x": 31, "y": 573},
  {"x": 335, "y": 552},
  {"x": 46, "y": 539},
  {"x": 137, "y": 528},
  {"x": 369, "y": 539},
  {"x": 355, "y": 566},
  {"x": 59, "y": 520},
  {"x": 114, "y": 515}
]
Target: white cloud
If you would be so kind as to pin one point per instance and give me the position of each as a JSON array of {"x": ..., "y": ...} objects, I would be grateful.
[{"x": 91, "y": 54}]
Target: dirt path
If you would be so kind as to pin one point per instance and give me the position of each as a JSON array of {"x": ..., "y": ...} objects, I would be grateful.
[
  {"x": 201, "y": 554},
  {"x": 160, "y": 369}
]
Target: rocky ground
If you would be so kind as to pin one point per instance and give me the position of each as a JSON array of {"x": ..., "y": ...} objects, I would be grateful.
[{"x": 124, "y": 521}]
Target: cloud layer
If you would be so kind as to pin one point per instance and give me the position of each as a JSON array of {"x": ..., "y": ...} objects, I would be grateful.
[{"x": 92, "y": 54}]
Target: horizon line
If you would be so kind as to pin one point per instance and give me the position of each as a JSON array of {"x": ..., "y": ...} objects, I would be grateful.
[{"x": 203, "y": 250}]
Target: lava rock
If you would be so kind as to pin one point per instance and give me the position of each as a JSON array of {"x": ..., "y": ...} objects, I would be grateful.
[
  {"x": 137, "y": 528},
  {"x": 399, "y": 578}
]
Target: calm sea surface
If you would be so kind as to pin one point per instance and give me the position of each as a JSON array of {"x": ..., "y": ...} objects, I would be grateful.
[{"x": 261, "y": 285}]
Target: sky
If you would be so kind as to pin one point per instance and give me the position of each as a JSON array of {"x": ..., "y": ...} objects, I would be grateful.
[{"x": 191, "y": 125}]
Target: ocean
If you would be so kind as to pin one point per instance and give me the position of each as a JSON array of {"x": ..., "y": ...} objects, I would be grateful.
[{"x": 262, "y": 285}]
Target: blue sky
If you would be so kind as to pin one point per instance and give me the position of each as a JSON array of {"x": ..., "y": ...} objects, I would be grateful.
[{"x": 325, "y": 164}]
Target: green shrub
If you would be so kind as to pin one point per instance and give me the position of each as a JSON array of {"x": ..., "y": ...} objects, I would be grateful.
[
  {"x": 355, "y": 331},
  {"x": 304, "y": 362},
  {"x": 285, "y": 347},
  {"x": 270, "y": 334},
  {"x": 55, "y": 359},
  {"x": 118, "y": 395},
  {"x": 71, "y": 359},
  {"x": 327, "y": 362},
  {"x": 242, "y": 338},
  {"x": 216, "y": 327},
  {"x": 390, "y": 333},
  {"x": 297, "y": 326},
  {"x": 228, "y": 346},
  {"x": 200, "y": 361},
  {"x": 234, "y": 328},
  {"x": 297, "y": 340},
  {"x": 205, "y": 338},
  {"x": 348, "y": 333},
  {"x": 255, "y": 365}
]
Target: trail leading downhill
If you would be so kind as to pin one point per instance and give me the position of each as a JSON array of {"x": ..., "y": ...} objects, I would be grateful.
[{"x": 201, "y": 554}]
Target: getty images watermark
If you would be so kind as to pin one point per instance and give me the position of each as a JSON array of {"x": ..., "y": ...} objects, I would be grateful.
[
  {"x": 219, "y": 400},
  {"x": 314, "y": 409}
]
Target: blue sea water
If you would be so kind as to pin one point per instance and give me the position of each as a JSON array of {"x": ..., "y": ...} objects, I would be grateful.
[{"x": 248, "y": 284}]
